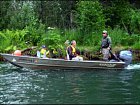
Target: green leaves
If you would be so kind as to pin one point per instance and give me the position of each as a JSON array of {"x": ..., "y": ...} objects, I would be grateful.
[
  {"x": 53, "y": 39},
  {"x": 89, "y": 19},
  {"x": 12, "y": 40},
  {"x": 90, "y": 16},
  {"x": 23, "y": 15}
]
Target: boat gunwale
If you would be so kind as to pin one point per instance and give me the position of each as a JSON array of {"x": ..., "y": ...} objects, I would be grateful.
[{"x": 57, "y": 59}]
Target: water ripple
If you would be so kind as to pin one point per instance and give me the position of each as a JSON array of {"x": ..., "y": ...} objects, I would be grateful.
[{"x": 25, "y": 86}]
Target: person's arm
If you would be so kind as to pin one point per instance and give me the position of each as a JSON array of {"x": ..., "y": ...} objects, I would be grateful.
[
  {"x": 109, "y": 42},
  {"x": 47, "y": 52},
  {"x": 101, "y": 46}
]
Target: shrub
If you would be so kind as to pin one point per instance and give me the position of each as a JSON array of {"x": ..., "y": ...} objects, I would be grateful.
[
  {"x": 52, "y": 39},
  {"x": 12, "y": 40}
]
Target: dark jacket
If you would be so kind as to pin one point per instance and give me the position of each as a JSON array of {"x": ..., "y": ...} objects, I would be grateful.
[{"x": 106, "y": 42}]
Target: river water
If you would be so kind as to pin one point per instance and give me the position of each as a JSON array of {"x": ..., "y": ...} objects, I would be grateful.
[{"x": 24, "y": 86}]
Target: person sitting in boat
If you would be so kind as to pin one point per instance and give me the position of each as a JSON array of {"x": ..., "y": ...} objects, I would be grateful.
[
  {"x": 44, "y": 52},
  {"x": 67, "y": 44},
  {"x": 72, "y": 51}
]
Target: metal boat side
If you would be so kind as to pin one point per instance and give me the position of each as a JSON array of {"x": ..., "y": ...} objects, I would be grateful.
[{"x": 45, "y": 63}]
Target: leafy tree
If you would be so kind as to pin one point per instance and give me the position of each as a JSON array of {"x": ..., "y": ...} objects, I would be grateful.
[
  {"x": 120, "y": 13},
  {"x": 134, "y": 21},
  {"x": 89, "y": 19},
  {"x": 4, "y": 18},
  {"x": 52, "y": 39},
  {"x": 90, "y": 16},
  {"x": 23, "y": 15},
  {"x": 55, "y": 13}
]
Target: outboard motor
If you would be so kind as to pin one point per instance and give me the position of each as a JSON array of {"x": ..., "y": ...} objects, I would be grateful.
[{"x": 126, "y": 56}]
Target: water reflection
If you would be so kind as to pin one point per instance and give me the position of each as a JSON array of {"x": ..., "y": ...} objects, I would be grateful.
[{"x": 23, "y": 86}]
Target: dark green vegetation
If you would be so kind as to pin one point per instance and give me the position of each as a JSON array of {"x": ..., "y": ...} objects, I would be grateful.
[{"x": 29, "y": 23}]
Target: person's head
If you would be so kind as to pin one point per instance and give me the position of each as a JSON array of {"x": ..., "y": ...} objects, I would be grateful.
[
  {"x": 73, "y": 43},
  {"x": 43, "y": 46},
  {"x": 104, "y": 33}
]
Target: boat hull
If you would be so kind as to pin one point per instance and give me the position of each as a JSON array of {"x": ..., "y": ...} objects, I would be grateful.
[{"x": 51, "y": 63}]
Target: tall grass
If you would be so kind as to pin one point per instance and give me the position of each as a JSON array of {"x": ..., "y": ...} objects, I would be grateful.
[
  {"x": 72, "y": 34},
  {"x": 117, "y": 36},
  {"x": 136, "y": 46},
  {"x": 121, "y": 38}
]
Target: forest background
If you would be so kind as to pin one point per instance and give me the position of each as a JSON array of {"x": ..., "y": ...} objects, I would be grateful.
[{"x": 26, "y": 23}]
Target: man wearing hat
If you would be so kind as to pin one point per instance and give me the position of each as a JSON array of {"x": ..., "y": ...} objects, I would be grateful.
[
  {"x": 105, "y": 45},
  {"x": 44, "y": 52}
]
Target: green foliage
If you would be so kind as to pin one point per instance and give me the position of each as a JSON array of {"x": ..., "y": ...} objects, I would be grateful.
[
  {"x": 12, "y": 40},
  {"x": 135, "y": 21},
  {"x": 23, "y": 15},
  {"x": 116, "y": 12},
  {"x": 34, "y": 34},
  {"x": 72, "y": 34},
  {"x": 94, "y": 39},
  {"x": 121, "y": 13},
  {"x": 120, "y": 37},
  {"x": 90, "y": 16},
  {"x": 136, "y": 46},
  {"x": 129, "y": 41},
  {"x": 117, "y": 35},
  {"x": 52, "y": 39},
  {"x": 4, "y": 14}
]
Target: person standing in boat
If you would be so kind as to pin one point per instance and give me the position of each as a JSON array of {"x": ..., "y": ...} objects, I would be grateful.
[
  {"x": 105, "y": 45},
  {"x": 44, "y": 51},
  {"x": 72, "y": 52}
]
